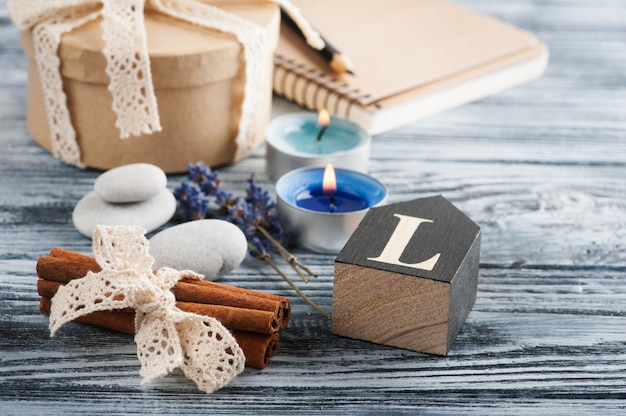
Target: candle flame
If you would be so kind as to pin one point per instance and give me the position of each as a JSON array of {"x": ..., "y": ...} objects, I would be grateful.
[
  {"x": 323, "y": 117},
  {"x": 329, "y": 181}
]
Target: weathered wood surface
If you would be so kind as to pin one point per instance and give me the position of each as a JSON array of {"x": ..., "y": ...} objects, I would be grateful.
[{"x": 541, "y": 168}]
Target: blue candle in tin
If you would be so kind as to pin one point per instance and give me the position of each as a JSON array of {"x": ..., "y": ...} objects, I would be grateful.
[
  {"x": 327, "y": 198},
  {"x": 294, "y": 141},
  {"x": 322, "y": 218},
  {"x": 341, "y": 201}
]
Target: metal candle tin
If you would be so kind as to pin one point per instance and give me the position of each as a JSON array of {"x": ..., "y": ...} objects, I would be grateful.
[
  {"x": 318, "y": 231},
  {"x": 291, "y": 144}
]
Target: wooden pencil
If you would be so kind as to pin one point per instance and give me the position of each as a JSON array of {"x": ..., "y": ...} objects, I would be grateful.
[{"x": 338, "y": 62}]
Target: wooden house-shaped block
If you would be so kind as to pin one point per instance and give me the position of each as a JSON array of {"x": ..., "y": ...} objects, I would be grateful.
[{"x": 407, "y": 276}]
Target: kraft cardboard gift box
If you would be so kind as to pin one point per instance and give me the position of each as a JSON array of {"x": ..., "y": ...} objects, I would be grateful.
[{"x": 198, "y": 77}]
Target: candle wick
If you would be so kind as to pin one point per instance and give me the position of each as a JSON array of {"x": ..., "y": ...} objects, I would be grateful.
[
  {"x": 331, "y": 203},
  {"x": 321, "y": 133}
]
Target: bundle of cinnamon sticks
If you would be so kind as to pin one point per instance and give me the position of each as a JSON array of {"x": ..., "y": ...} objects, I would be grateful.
[{"x": 253, "y": 317}]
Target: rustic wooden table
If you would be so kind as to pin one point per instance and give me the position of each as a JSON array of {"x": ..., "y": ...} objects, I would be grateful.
[{"x": 541, "y": 168}]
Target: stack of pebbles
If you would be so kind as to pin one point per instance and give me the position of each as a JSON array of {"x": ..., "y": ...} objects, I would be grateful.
[{"x": 133, "y": 194}]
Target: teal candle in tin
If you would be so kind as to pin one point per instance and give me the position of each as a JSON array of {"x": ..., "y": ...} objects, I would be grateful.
[{"x": 301, "y": 139}]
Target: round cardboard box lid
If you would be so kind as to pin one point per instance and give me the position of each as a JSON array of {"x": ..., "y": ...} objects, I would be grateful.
[{"x": 181, "y": 54}]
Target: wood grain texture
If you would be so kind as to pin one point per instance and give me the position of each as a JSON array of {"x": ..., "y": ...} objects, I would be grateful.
[
  {"x": 393, "y": 309},
  {"x": 541, "y": 168}
]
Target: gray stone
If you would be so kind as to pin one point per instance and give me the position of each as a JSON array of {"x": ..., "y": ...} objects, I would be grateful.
[
  {"x": 131, "y": 183},
  {"x": 92, "y": 210},
  {"x": 212, "y": 248}
]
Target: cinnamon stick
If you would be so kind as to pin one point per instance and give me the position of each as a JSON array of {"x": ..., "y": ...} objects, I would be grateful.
[
  {"x": 75, "y": 256},
  {"x": 245, "y": 319},
  {"x": 203, "y": 291},
  {"x": 242, "y": 311},
  {"x": 63, "y": 265},
  {"x": 62, "y": 270},
  {"x": 263, "y": 322},
  {"x": 257, "y": 348}
]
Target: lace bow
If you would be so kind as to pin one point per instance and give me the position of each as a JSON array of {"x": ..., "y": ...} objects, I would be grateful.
[
  {"x": 166, "y": 337},
  {"x": 128, "y": 63}
]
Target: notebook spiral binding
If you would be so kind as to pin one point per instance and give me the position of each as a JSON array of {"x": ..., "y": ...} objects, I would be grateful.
[{"x": 314, "y": 89}]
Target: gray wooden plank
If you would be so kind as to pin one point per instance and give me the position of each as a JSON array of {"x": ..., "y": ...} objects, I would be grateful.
[{"x": 540, "y": 167}]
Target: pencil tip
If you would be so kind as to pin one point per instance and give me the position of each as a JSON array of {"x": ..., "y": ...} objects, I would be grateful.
[{"x": 341, "y": 64}]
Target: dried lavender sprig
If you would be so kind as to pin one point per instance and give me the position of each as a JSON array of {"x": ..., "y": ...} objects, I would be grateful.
[
  {"x": 295, "y": 262},
  {"x": 260, "y": 199},
  {"x": 255, "y": 214},
  {"x": 266, "y": 257}
]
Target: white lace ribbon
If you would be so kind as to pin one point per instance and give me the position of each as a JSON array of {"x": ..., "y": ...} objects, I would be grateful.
[
  {"x": 128, "y": 63},
  {"x": 166, "y": 337}
]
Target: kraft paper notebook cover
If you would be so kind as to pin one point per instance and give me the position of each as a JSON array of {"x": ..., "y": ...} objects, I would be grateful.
[{"x": 412, "y": 59}]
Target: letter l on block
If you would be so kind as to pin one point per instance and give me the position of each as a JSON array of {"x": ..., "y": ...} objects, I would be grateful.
[{"x": 398, "y": 242}]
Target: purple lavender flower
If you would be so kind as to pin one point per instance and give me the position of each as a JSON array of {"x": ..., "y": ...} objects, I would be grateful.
[
  {"x": 258, "y": 196},
  {"x": 256, "y": 210},
  {"x": 255, "y": 214},
  {"x": 192, "y": 205},
  {"x": 208, "y": 180}
]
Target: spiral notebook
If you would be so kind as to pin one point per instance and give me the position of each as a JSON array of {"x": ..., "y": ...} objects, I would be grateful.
[{"x": 412, "y": 59}]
